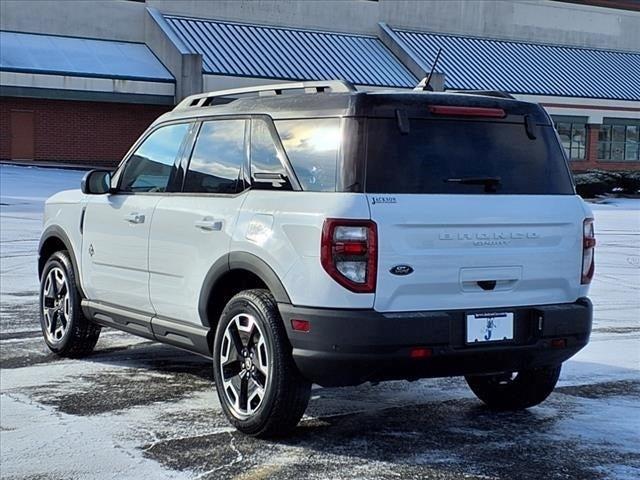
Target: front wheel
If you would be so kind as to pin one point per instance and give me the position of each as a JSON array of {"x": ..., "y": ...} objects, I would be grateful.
[
  {"x": 260, "y": 389},
  {"x": 515, "y": 390},
  {"x": 67, "y": 332}
]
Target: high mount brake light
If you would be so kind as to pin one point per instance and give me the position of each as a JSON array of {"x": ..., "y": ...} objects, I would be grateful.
[
  {"x": 467, "y": 111},
  {"x": 349, "y": 253},
  {"x": 588, "y": 251}
]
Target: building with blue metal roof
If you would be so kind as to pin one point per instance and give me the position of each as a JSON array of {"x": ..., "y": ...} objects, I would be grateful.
[
  {"x": 75, "y": 65},
  {"x": 592, "y": 94},
  {"x": 58, "y": 55},
  {"x": 471, "y": 63},
  {"x": 275, "y": 53},
  {"x": 56, "y": 89},
  {"x": 118, "y": 64}
]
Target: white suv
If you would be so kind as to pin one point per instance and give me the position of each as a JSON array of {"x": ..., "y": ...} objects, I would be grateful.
[{"x": 312, "y": 233}]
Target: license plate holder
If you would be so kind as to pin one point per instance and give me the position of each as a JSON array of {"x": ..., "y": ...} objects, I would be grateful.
[{"x": 489, "y": 327}]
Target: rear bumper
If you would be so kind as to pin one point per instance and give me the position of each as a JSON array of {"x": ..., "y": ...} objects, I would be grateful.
[{"x": 348, "y": 347}]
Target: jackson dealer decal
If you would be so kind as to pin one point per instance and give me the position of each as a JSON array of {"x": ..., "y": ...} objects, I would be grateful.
[{"x": 375, "y": 200}]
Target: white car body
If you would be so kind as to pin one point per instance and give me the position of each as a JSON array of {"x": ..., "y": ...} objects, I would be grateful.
[{"x": 158, "y": 267}]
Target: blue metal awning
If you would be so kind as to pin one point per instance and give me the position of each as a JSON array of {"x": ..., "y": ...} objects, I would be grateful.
[
  {"x": 50, "y": 54},
  {"x": 525, "y": 68},
  {"x": 290, "y": 54}
]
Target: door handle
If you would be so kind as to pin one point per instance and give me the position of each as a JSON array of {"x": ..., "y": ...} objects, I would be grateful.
[
  {"x": 209, "y": 224},
  {"x": 134, "y": 218}
]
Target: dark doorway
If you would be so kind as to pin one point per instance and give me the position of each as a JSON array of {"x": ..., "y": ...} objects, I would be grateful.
[{"x": 22, "y": 135}]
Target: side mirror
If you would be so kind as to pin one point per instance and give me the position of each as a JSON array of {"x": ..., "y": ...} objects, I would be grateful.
[{"x": 96, "y": 182}]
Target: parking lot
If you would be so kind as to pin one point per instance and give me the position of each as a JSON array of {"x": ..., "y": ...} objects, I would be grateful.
[{"x": 137, "y": 409}]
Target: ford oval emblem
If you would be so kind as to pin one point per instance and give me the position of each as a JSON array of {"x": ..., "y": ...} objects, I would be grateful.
[{"x": 401, "y": 270}]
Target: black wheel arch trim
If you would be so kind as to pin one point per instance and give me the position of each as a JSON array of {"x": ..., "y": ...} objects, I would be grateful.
[
  {"x": 239, "y": 261},
  {"x": 55, "y": 231}
]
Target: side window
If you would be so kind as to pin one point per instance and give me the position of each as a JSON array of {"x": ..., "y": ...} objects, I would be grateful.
[
  {"x": 267, "y": 171},
  {"x": 150, "y": 167},
  {"x": 217, "y": 158},
  {"x": 312, "y": 146}
]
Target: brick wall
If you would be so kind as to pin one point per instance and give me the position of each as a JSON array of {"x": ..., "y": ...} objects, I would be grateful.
[
  {"x": 591, "y": 161},
  {"x": 78, "y": 132}
]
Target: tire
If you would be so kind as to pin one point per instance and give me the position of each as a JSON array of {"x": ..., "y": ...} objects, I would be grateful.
[
  {"x": 66, "y": 331},
  {"x": 251, "y": 348},
  {"x": 507, "y": 391}
]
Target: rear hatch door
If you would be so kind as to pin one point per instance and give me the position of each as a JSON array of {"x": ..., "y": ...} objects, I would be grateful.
[{"x": 472, "y": 214}]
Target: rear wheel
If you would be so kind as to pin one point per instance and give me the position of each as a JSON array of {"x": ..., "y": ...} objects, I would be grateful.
[
  {"x": 515, "y": 390},
  {"x": 65, "y": 329},
  {"x": 260, "y": 389}
]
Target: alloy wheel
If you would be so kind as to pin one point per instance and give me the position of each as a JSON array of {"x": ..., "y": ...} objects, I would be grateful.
[
  {"x": 56, "y": 305},
  {"x": 244, "y": 365}
]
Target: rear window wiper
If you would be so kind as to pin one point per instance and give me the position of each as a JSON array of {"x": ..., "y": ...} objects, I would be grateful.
[{"x": 490, "y": 183}]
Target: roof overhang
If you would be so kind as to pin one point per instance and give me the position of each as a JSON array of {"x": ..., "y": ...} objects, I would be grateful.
[
  {"x": 471, "y": 63},
  {"x": 275, "y": 53},
  {"x": 63, "y": 87},
  {"x": 48, "y": 66}
]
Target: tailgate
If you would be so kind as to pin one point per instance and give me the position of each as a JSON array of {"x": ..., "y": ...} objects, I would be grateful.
[{"x": 477, "y": 251}]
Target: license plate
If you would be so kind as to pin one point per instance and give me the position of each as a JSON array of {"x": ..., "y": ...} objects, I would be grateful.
[{"x": 489, "y": 327}]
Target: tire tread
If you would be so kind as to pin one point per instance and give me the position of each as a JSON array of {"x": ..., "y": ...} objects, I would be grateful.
[
  {"x": 528, "y": 389},
  {"x": 291, "y": 390},
  {"x": 84, "y": 334}
]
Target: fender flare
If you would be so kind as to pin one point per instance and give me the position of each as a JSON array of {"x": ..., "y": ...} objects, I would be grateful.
[
  {"x": 57, "y": 232},
  {"x": 239, "y": 261}
]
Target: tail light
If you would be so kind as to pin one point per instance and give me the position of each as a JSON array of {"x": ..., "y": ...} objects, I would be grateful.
[
  {"x": 588, "y": 248},
  {"x": 467, "y": 111},
  {"x": 349, "y": 253}
]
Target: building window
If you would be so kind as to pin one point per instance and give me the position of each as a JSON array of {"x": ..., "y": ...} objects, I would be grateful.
[
  {"x": 573, "y": 135},
  {"x": 619, "y": 140}
]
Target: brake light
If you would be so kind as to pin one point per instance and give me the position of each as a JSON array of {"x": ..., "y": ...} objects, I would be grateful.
[
  {"x": 467, "y": 111},
  {"x": 588, "y": 251},
  {"x": 349, "y": 253},
  {"x": 420, "y": 352}
]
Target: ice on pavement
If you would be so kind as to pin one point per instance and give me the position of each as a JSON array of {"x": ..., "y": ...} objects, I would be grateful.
[{"x": 23, "y": 191}]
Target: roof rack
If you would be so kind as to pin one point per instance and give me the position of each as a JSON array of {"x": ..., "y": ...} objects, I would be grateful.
[
  {"x": 485, "y": 93},
  {"x": 208, "y": 98}
]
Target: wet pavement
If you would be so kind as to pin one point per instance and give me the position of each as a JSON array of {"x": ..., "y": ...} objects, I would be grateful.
[{"x": 157, "y": 406}]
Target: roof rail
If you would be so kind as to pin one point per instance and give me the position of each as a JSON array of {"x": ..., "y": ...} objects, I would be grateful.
[
  {"x": 206, "y": 99},
  {"x": 485, "y": 93}
]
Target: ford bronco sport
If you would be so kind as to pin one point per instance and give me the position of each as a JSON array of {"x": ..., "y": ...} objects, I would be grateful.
[{"x": 310, "y": 232}]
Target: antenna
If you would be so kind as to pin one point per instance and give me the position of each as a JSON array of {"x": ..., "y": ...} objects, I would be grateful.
[{"x": 424, "y": 84}]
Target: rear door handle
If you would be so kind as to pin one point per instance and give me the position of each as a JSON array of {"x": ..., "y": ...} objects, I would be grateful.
[
  {"x": 209, "y": 224},
  {"x": 134, "y": 218}
]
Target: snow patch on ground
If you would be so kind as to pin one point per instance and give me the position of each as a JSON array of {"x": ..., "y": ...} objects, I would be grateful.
[
  {"x": 23, "y": 191},
  {"x": 51, "y": 435}
]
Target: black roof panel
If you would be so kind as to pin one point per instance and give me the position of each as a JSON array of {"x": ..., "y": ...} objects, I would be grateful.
[{"x": 376, "y": 103}]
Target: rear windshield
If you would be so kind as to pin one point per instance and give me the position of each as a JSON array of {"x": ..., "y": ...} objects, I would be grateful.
[{"x": 463, "y": 157}]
